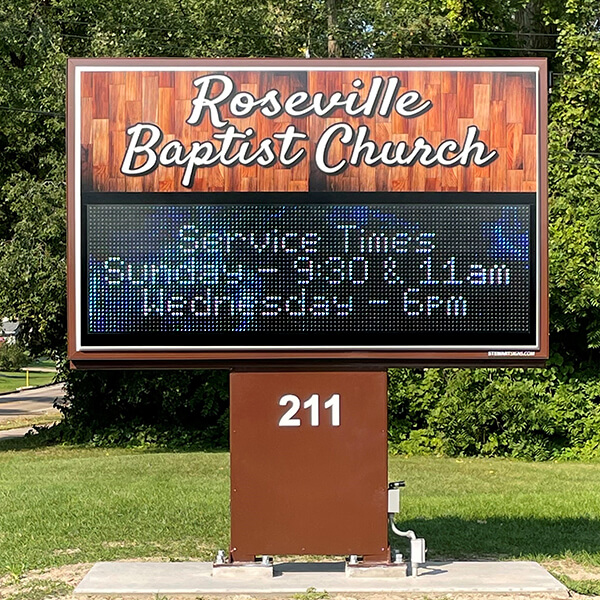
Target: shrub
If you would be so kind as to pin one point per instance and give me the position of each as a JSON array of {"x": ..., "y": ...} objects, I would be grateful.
[
  {"x": 139, "y": 408},
  {"x": 12, "y": 357},
  {"x": 536, "y": 414}
]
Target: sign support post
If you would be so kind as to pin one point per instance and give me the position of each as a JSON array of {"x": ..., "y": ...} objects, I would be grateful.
[{"x": 309, "y": 464}]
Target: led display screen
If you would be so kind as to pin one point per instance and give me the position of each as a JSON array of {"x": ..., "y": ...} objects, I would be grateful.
[{"x": 309, "y": 270}]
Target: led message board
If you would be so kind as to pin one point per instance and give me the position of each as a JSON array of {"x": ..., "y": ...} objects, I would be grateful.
[{"x": 243, "y": 211}]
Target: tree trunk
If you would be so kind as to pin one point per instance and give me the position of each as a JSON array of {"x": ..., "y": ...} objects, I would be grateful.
[{"x": 333, "y": 48}]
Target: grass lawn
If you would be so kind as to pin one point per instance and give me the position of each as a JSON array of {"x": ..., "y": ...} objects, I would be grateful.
[
  {"x": 10, "y": 381},
  {"x": 67, "y": 505},
  {"x": 43, "y": 362}
]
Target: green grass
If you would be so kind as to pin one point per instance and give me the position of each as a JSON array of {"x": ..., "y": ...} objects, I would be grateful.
[
  {"x": 467, "y": 508},
  {"x": 43, "y": 362},
  {"x": 587, "y": 587},
  {"x": 312, "y": 594},
  {"x": 65, "y": 505},
  {"x": 10, "y": 381}
]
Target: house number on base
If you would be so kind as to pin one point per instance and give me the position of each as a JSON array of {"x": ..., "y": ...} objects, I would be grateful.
[{"x": 289, "y": 418}]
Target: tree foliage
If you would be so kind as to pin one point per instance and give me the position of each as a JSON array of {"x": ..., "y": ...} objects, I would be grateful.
[
  {"x": 539, "y": 413},
  {"x": 12, "y": 357},
  {"x": 536, "y": 413},
  {"x": 574, "y": 182},
  {"x": 164, "y": 408}
]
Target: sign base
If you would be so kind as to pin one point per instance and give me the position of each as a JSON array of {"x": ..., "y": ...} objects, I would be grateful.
[{"x": 309, "y": 464}]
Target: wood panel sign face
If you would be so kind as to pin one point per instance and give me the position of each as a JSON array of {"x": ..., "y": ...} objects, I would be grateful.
[{"x": 381, "y": 212}]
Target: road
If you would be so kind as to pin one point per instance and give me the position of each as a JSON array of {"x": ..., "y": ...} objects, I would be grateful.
[{"x": 28, "y": 403}]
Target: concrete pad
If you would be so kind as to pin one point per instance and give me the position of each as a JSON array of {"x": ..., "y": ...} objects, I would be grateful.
[
  {"x": 393, "y": 570},
  {"x": 243, "y": 571},
  {"x": 153, "y": 578}
]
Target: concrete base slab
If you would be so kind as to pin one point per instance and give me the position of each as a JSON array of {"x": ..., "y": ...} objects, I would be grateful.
[
  {"x": 151, "y": 578},
  {"x": 393, "y": 570},
  {"x": 243, "y": 571}
]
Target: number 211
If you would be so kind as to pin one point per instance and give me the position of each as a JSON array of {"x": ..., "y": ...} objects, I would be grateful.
[{"x": 289, "y": 418}]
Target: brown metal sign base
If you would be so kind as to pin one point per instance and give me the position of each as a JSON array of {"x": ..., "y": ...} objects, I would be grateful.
[{"x": 309, "y": 464}]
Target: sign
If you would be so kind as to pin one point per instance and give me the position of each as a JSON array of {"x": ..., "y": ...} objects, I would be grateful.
[{"x": 381, "y": 212}]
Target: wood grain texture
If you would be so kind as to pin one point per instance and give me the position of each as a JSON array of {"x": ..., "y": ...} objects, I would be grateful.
[{"x": 501, "y": 105}]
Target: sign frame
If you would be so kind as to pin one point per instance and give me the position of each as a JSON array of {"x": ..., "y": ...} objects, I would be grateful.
[{"x": 347, "y": 357}]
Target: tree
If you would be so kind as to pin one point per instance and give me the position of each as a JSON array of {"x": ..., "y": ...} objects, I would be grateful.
[
  {"x": 574, "y": 182},
  {"x": 540, "y": 413},
  {"x": 37, "y": 36}
]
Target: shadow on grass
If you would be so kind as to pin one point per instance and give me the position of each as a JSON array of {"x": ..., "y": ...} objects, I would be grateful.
[{"x": 506, "y": 537}]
